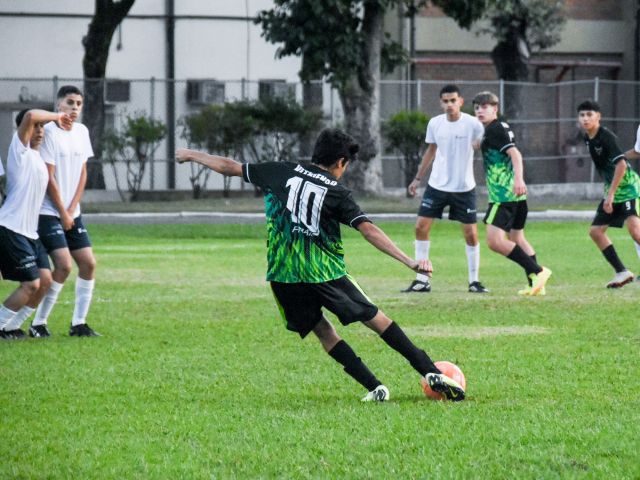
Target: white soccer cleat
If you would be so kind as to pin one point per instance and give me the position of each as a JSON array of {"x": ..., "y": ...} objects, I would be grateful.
[
  {"x": 380, "y": 394},
  {"x": 621, "y": 279}
]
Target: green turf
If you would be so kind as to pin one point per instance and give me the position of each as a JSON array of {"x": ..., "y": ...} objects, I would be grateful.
[{"x": 195, "y": 377}]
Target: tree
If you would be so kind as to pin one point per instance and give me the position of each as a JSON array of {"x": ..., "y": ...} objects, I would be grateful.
[
  {"x": 344, "y": 42},
  {"x": 405, "y": 132},
  {"x": 520, "y": 26},
  {"x": 107, "y": 17},
  {"x": 133, "y": 145}
]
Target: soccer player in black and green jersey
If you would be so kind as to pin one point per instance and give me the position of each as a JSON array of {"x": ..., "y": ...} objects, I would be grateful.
[
  {"x": 621, "y": 189},
  {"x": 507, "y": 211},
  {"x": 305, "y": 205}
]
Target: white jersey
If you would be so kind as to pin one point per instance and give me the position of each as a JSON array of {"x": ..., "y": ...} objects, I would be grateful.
[
  {"x": 453, "y": 164},
  {"x": 27, "y": 180},
  {"x": 68, "y": 151},
  {"x": 1, "y": 168},
  {"x": 636, "y": 147}
]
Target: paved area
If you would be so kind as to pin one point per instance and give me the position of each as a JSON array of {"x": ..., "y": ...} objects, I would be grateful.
[{"x": 223, "y": 217}]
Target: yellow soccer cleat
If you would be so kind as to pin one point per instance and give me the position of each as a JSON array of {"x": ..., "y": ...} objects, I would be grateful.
[{"x": 539, "y": 281}]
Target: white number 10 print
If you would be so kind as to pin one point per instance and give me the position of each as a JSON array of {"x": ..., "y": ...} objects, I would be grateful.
[{"x": 305, "y": 203}]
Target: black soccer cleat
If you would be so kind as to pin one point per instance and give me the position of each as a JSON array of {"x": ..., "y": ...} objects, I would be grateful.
[
  {"x": 17, "y": 334},
  {"x": 477, "y": 287},
  {"x": 83, "y": 330},
  {"x": 5, "y": 335},
  {"x": 439, "y": 382},
  {"x": 418, "y": 286},
  {"x": 39, "y": 331}
]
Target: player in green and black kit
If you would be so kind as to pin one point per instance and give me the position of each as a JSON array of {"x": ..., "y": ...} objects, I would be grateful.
[
  {"x": 507, "y": 211},
  {"x": 621, "y": 189},
  {"x": 305, "y": 206}
]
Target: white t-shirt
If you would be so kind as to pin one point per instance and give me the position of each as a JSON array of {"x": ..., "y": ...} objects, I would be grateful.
[
  {"x": 453, "y": 165},
  {"x": 636, "y": 147},
  {"x": 1, "y": 168},
  {"x": 68, "y": 151},
  {"x": 27, "y": 180}
]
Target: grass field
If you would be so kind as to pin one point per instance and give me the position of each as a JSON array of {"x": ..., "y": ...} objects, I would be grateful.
[{"x": 195, "y": 376}]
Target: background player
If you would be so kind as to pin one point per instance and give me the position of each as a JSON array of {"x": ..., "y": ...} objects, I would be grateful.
[
  {"x": 621, "y": 189},
  {"x": 305, "y": 205},
  {"x": 60, "y": 226},
  {"x": 451, "y": 137},
  {"x": 634, "y": 154},
  {"x": 507, "y": 210},
  {"x": 21, "y": 256}
]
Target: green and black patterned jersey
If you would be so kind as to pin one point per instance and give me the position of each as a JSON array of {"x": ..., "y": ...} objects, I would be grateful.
[
  {"x": 305, "y": 206},
  {"x": 498, "y": 169},
  {"x": 606, "y": 154}
]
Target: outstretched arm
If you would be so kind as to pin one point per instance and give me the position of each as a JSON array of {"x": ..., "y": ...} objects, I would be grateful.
[
  {"x": 33, "y": 117},
  {"x": 223, "y": 165},
  {"x": 376, "y": 237}
]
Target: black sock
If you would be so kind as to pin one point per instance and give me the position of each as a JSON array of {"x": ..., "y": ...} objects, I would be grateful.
[
  {"x": 612, "y": 257},
  {"x": 398, "y": 340},
  {"x": 517, "y": 255},
  {"x": 535, "y": 260},
  {"x": 354, "y": 366}
]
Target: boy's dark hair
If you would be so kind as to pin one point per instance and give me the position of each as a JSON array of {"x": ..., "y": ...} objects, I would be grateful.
[
  {"x": 20, "y": 116},
  {"x": 451, "y": 88},
  {"x": 333, "y": 144},
  {"x": 588, "y": 105},
  {"x": 68, "y": 90}
]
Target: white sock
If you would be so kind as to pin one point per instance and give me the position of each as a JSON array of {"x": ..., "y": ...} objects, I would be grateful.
[
  {"x": 422, "y": 253},
  {"x": 47, "y": 303},
  {"x": 473, "y": 261},
  {"x": 637, "y": 248},
  {"x": 18, "y": 319},
  {"x": 84, "y": 292},
  {"x": 5, "y": 316}
]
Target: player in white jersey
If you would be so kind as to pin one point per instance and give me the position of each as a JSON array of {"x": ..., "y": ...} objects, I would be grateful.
[
  {"x": 60, "y": 224},
  {"x": 22, "y": 258},
  {"x": 634, "y": 154},
  {"x": 452, "y": 137}
]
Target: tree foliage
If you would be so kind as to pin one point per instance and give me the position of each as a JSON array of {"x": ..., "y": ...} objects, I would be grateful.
[
  {"x": 133, "y": 144},
  {"x": 404, "y": 132}
]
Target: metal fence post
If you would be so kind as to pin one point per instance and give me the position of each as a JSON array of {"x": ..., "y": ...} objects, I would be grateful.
[
  {"x": 419, "y": 94},
  {"x": 55, "y": 89},
  {"x": 152, "y": 111},
  {"x": 596, "y": 88},
  {"x": 501, "y": 95}
]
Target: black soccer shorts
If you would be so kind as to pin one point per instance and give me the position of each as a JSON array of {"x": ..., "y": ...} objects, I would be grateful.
[
  {"x": 462, "y": 205},
  {"x": 621, "y": 211},
  {"x": 508, "y": 215},
  {"x": 54, "y": 237},
  {"x": 21, "y": 257},
  {"x": 301, "y": 303}
]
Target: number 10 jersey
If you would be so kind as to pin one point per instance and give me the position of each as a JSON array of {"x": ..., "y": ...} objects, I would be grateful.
[{"x": 304, "y": 206}]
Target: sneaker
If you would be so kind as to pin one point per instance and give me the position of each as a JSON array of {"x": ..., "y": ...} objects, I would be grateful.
[
  {"x": 539, "y": 281},
  {"x": 451, "y": 389},
  {"x": 82, "y": 330},
  {"x": 16, "y": 334},
  {"x": 477, "y": 287},
  {"x": 380, "y": 394},
  {"x": 418, "y": 286},
  {"x": 527, "y": 291},
  {"x": 39, "y": 331},
  {"x": 5, "y": 335},
  {"x": 621, "y": 279}
]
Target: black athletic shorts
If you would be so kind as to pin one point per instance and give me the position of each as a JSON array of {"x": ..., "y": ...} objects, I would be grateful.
[
  {"x": 508, "y": 215},
  {"x": 301, "y": 303},
  {"x": 621, "y": 211},
  {"x": 462, "y": 205},
  {"x": 21, "y": 257},
  {"x": 54, "y": 237}
]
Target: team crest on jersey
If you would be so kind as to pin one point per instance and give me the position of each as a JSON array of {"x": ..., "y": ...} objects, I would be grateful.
[{"x": 598, "y": 150}]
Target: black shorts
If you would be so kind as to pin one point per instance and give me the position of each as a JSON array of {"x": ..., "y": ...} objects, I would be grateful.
[
  {"x": 54, "y": 237},
  {"x": 621, "y": 211},
  {"x": 301, "y": 303},
  {"x": 508, "y": 215},
  {"x": 21, "y": 257},
  {"x": 462, "y": 205}
]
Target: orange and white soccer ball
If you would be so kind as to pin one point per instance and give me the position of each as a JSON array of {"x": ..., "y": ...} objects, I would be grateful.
[{"x": 451, "y": 370}]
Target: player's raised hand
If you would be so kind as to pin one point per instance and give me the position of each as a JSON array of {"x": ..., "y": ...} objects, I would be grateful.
[
  {"x": 183, "y": 155},
  {"x": 64, "y": 121}
]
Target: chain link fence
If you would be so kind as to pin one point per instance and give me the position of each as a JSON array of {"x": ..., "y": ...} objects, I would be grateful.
[{"x": 545, "y": 123}]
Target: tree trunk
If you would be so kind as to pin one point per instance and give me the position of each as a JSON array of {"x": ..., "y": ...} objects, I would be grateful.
[
  {"x": 107, "y": 17},
  {"x": 311, "y": 101},
  {"x": 511, "y": 65},
  {"x": 360, "y": 99}
]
